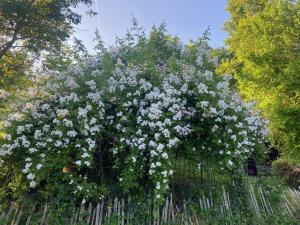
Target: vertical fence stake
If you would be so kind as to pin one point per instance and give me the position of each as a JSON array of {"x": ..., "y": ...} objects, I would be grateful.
[{"x": 44, "y": 214}]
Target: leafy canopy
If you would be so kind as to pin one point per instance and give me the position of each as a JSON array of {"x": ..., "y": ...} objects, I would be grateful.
[
  {"x": 27, "y": 29},
  {"x": 36, "y": 24},
  {"x": 264, "y": 37}
]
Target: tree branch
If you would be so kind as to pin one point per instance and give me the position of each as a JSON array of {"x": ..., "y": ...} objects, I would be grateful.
[{"x": 9, "y": 44}]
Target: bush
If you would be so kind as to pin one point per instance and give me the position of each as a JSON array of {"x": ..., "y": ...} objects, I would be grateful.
[
  {"x": 296, "y": 175},
  {"x": 122, "y": 117},
  {"x": 286, "y": 172}
]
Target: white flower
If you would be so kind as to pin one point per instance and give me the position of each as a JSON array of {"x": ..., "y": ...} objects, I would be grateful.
[
  {"x": 85, "y": 155},
  {"x": 39, "y": 166},
  {"x": 32, "y": 184},
  {"x": 93, "y": 121},
  {"x": 230, "y": 163},
  {"x": 28, "y": 159},
  {"x": 160, "y": 147},
  {"x": 57, "y": 143},
  {"x": 215, "y": 128},
  {"x": 68, "y": 123},
  {"x": 165, "y": 155},
  {"x": 222, "y": 104},
  {"x": 119, "y": 114},
  {"x": 26, "y": 170},
  {"x": 157, "y": 186},
  {"x": 20, "y": 129},
  {"x": 71, "y": 83},
  {"x": 158, "y": 164},
  {"x": 46, "y": 127},
  {"x": 183, "y": 130},
  {"x": 208, "y": 75},
  {"x": 91, "y": 84},
  {"x": 82, "y": 112},
  {"x": 204, "y": 104},
  {"x": 30, "y": 176},
  {"x": 7, "y": 137},
  {"x": 202, "y": 88},
  {"x": 164, "y": 173},
  {"x": 95, "y": 97},
  {"x": 233, "y": 137},
  {"x": 62, "y": 112},
  {"x": 152, "y": 143},
  {"x": 87, "y": 163},
  {"x": 157, "y": 135},
  {"x": 72, "y": 133},
  {"x": 6, "y": 123},
  {"x": 37, "y": 134},
  {"x": 153, "y": 153},
  {"x": 172, "y": 142},
  {"x": 45, "y": 106},
  {"x": 218, "y": 119},
  {"x": 213, "y": 111},
  {"x": 166, "y": 133},
  {"x": 57, "y": 132},
  {"x": 142, "y": 146}
]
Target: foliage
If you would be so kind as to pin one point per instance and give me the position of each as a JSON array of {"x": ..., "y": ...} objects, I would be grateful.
[
  {"x": 264, "y": 39},
  {"x": 28, "y": 29},
  {"x": 36, "y": 24},
  {"x": 286, "y": 172},
  {"x": 118, "y": 121},
  {"x": 14, "y": 69}
]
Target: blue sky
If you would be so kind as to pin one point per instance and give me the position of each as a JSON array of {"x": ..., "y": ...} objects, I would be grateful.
[{"x": 187, "y": 19}]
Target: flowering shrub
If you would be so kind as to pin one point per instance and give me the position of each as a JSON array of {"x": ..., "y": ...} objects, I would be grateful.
[{"x": 131, "y": 110}]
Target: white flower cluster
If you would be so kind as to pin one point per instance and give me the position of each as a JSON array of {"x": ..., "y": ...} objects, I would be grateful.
[
  {"x": 149, "y": 117},
  {"x": 153, "y": 119},
  {"x": 67, "y": 124}
]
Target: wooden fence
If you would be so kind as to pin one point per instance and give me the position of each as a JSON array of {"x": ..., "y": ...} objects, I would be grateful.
[{"x": 117, "y": 211}]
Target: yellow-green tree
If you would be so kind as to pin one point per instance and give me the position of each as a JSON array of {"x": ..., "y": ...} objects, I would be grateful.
[{"x": 264, "y": 37}]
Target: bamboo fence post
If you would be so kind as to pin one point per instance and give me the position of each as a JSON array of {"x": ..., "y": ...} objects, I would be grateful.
[
  {"x": 44, "y": 214},
  {"x": 97, "y": 214}
]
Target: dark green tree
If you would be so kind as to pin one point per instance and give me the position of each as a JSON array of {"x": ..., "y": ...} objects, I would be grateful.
[
  {"x": 36, "y": 24},
  {"x": 29, "y": 28}
]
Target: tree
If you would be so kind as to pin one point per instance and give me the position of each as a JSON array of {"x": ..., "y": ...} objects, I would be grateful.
[
  {"x": 264, "y": 37},
  {"x": 36, "y": 24},
  {"x": 14, "y": 70},
  {"x": 29, "y": 28}
]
